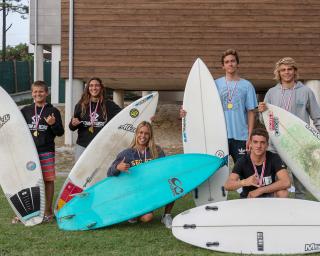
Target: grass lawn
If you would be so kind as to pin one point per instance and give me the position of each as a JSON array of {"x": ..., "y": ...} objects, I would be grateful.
[{"x": 122, "y": 239}]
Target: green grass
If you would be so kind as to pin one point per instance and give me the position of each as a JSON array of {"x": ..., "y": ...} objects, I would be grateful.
[{"x": 122, "y": 239}]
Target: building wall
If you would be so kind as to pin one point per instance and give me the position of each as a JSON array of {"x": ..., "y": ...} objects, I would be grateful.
[{"x": 151, "y": 45}]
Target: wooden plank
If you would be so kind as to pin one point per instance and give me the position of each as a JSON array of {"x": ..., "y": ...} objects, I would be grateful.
[
  {"x": 190, "y": 29},
  {"x": 133, "y": 41}
]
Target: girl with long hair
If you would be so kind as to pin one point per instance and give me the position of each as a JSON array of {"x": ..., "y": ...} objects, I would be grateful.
[
  {"x": 91, "y": 114},
  {"x": 142, "y": 149}
]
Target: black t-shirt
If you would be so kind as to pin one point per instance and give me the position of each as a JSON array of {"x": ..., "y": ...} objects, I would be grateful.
[
  {"x": 244, "y": 169},
  {"x": 44, "y": 141},
  {"x": 84, "y": 135}
]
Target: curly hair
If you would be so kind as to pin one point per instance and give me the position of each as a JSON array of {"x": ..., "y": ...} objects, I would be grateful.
[{"x": 288, "y": 61}]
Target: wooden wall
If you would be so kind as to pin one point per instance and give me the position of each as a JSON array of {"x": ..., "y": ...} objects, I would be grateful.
[{"x": 151, "y": 45}]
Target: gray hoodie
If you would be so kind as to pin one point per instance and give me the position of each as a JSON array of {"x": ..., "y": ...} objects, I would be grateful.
[{"x": 303, "y": 103}]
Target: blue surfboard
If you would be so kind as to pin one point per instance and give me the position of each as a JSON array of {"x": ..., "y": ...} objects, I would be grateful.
[{"x": 145, "y": 188}]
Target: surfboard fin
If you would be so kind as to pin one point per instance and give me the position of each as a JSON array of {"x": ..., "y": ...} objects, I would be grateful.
[
  {"x": 67, "y": 217},
  {"x": 82, "y": 194},
  {"x": 192, "y": 226},
  {"x": 225, "y": 161},
  {"x": 212, "y": 208},
  {"x": 196, "y": 193},
  {"x": 92, "y": 224},
  {"x": 223, "y": 191},
  {"x": 210, "y": 244}
]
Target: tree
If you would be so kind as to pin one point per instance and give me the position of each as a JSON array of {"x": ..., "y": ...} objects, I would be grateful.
[
  {"x": 18, "y": 52},
  {"x": 6, "y": 7}
]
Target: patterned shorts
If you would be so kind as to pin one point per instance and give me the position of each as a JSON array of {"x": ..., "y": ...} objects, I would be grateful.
[{"x": 47, "y": 162}]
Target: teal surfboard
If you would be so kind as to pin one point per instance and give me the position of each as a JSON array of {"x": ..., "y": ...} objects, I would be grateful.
[{"x": 145, "y": 188}]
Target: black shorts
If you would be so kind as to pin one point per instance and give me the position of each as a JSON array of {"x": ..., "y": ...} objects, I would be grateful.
[{"x": 237, "y": 148}]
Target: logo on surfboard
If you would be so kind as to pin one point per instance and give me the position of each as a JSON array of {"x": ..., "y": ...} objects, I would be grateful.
[
  {"x": 134, "y": 112},
  {"x": 260, "y": 243},
  {"x": 31, "y": 166},
  {"x": 4, "y": 119},
  {"x": 220, "y": 153},
  {"x": 175, "y": 186},
  {"x": 127, "y": 127},
  {"x": 313, "y": 131},
  {"x": 184, "y": 132},
  {"x": 274, "y": 124},
  {"x": 311, "y": 247},
  {"x": 144, "y": 100}
]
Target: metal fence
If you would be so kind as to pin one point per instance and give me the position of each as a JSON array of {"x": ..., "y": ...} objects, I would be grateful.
[{"x": 17, "y": 76}]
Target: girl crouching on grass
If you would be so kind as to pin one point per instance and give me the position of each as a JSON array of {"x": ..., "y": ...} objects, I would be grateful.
[{"x": 142, "y": 149}]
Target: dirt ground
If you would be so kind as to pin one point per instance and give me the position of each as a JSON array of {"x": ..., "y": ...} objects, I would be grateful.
[{"x": 167, "y": 129}]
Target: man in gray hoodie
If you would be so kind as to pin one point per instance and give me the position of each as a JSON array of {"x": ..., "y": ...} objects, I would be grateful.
[{"x": 293, "y": 96}]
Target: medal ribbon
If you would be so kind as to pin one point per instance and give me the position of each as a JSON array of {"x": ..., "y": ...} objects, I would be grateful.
[
  {"x": 262, "y": 171},
  {"x": 283, "y": 103},
  {"x": 92, "y": 115},
  {"x": 231, "y": 93},
  {"x": 145, "y": 155},
  {"x": 36, "y": 115}
]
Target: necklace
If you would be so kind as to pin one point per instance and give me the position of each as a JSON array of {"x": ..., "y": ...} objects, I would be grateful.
[
  {"x": 286, "y": 104},
  {"x": 256, "y": 171},
  {"x": 230, "y": 94},
  {"x": 37, "y": 119},
  {"x": 145, "y": 155},
  {"x": 92, "y": 116}
]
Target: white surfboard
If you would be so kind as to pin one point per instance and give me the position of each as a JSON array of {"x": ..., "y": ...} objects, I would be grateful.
[
  {"x": 204, "y": 129},
  {"x": 20, "y": 172},
  {"x": 94, "y": 162},
  {"x": 252, "y": 226},
  {"x": 298, "y": 145}
]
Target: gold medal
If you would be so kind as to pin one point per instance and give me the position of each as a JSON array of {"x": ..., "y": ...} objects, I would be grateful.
[
  {"x": 230, "y": 105},
  {"x": 35, "y": 133},
  {"x": 91, "y": 129}
]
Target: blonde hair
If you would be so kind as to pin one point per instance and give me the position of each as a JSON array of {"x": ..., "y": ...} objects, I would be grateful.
[
  {"x": 151, "y": 143},
  {"x": 288, "y": 61}
]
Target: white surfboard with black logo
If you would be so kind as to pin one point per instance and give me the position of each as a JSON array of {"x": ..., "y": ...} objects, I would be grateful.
[
  {"x": 94, "y": 162},
  {"x": 298, "y": 145},
  {"x": 252, "y": 226},
  {"x": 20, "y": 171},
  {"x": 204, "y": 129}
]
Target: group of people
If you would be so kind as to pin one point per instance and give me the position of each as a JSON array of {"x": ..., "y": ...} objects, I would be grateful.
[
  {"x": 262, "y": 173},
  {"x": 258, "y": 172}
]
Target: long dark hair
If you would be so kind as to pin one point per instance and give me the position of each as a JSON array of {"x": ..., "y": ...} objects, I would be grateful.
[{"x": 86, "y": 97}]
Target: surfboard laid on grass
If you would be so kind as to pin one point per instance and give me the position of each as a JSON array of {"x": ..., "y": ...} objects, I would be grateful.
[
  {"x": 146, "y": 187},
  {"x": 92, "y": 166},
  {"x": 252, "y": 226},
  {"x": 298, "y": 145},
  {"x": 20, "y": 172},
  {"x": 204, "y": 129}
]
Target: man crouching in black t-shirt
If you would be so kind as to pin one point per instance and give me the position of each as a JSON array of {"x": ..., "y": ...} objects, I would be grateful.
[{"x": 260, "y": 173}]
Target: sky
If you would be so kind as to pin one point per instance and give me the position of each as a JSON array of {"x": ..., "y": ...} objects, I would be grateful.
[{"x": 19, "y": 31}]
